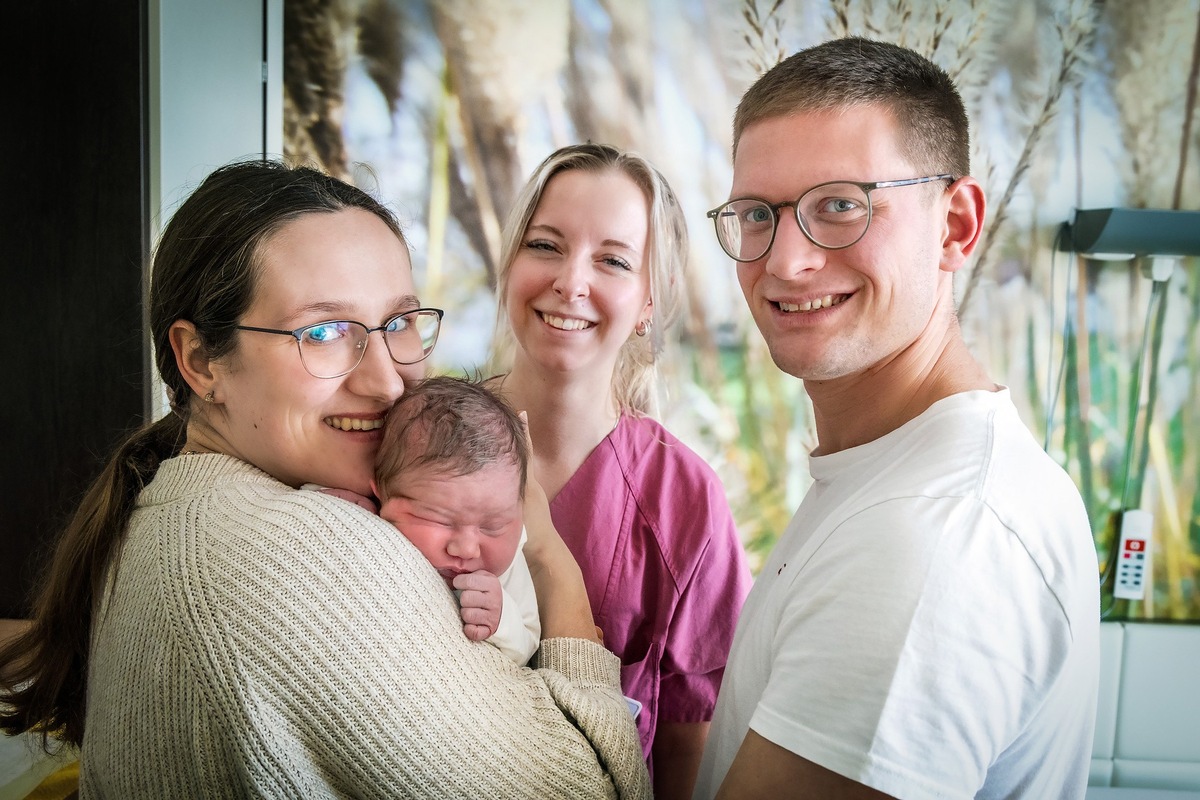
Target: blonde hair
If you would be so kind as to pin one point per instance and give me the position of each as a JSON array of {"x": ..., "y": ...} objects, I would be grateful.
[{"x": 635, "y": 374}]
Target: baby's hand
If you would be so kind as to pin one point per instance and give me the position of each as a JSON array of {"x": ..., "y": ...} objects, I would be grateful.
[
  {"x": 354, "y": 497},
  {"x": 480, "y": 601}
]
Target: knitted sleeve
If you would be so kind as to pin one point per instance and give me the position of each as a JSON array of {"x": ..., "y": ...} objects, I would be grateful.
[
  {"x": 335, "y": 654},
  {"x": 577, "y": 672}
]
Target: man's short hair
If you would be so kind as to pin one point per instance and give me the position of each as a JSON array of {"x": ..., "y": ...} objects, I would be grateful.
[{"x": 850, "y": 72}]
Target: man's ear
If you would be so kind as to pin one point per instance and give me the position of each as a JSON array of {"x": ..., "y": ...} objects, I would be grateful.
[
  {"x": 191, "y": 357},
  {"x": 965, "y": 212}
]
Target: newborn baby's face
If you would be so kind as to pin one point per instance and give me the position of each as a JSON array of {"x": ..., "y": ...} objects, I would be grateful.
[{"x": 461, "y": 523}]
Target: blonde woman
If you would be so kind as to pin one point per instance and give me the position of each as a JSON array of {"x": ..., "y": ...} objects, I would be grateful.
[{"x": 592, "y": 263}]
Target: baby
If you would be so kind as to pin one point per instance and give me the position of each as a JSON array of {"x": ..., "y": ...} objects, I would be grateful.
[{"x": 450, "y": 476}]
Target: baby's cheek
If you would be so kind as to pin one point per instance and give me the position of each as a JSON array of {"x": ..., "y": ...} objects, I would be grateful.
[{"x": 498, "y": 553}]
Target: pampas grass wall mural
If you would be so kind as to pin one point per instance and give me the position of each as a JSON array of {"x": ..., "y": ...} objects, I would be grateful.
[{"x": 441, "y": 107}]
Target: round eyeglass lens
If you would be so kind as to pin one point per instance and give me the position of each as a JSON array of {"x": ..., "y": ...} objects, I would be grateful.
[
  {"x": 745, "y": 229},
  {"x": 332, "y": 349},
  {"x": 834, "y": 215},
  {"x": 411, "y": 337}
]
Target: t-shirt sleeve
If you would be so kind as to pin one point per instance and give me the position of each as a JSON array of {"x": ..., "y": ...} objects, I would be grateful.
[
  {"x": 701, "y": 629},
  {"x": 881, "y": 670}
]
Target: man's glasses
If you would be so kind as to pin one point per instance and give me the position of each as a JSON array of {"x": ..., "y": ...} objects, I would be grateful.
[
  {"x": 832, "y": 216},
  {"x": 333, "y": 349}
]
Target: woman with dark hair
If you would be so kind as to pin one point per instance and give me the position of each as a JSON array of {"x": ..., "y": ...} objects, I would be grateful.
[{"x": 207, "y": 629}]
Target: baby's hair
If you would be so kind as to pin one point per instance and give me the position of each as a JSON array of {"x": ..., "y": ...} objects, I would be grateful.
[{"x": 456, "y": 425}]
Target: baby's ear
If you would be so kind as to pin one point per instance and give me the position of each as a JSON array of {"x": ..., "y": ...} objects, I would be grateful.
[{"x": 375, "y": 490}]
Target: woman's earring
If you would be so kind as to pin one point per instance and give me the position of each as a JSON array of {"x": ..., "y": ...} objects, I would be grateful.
[
  {"x": 208, "y": 398},
  {"x": 643, "y": 327}
]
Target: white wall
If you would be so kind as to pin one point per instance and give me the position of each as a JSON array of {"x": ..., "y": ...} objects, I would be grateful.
[
  {"x": 1148, "y": 720},
  {"x": 208, "y": 64}
]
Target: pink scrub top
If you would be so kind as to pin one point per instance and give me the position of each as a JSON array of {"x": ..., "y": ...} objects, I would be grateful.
[{"x": 648, "y": 522}]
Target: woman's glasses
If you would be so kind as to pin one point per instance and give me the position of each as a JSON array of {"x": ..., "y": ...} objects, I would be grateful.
[{"x": 333, "y": 349}]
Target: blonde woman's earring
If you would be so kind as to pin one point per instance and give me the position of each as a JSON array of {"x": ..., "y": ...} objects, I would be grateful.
[{"x": 643, "y": 327}]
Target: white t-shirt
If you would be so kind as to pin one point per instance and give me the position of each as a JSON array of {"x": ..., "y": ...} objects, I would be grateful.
[{"x": 928, "y": 623}]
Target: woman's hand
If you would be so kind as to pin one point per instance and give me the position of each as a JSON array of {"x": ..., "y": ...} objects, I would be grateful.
[
  {"x": 542, "y": 536},
  {"x": 562, "y": 598}
]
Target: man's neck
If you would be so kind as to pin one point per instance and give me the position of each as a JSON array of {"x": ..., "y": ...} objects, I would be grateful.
[{"x": 860, "y": 408}]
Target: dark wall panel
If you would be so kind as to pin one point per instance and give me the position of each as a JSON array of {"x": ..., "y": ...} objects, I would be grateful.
[{"x": 72, "y": 240}]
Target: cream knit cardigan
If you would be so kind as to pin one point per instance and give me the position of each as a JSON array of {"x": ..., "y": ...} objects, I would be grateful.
[{"x": 258, "y": 641}]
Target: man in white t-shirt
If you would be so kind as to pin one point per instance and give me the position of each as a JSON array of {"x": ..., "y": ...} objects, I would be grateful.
[{"x": 927, "y": 626}]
